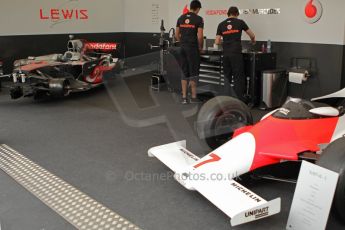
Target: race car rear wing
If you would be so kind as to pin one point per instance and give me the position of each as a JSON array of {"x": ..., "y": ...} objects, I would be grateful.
[{"x": 236, "y": 201}]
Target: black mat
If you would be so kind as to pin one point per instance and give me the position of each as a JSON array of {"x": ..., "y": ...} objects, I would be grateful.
[{"x": 85, "y": 141}]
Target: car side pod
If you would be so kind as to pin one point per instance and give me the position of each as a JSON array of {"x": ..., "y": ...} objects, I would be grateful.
[{"x": 194, "y": 173}]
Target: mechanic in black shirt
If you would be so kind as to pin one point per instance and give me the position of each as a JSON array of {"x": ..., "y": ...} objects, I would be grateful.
[
  {"x": 189, "y": 32},
  {"x": 230, "y": 31}
]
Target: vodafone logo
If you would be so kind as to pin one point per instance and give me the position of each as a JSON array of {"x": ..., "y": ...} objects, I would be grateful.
[
  {"x": 187, "y": 21},
  {"x": 313, "y": 11},
  {"x": 100, "y": 46},
  {"x": 229, "y": 27}
]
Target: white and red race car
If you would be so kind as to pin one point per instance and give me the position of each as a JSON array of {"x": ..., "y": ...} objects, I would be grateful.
[{"x": 300, "y": 130}]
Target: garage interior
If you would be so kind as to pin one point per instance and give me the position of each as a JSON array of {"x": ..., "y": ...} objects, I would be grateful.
[{"x": 97, "y": 141}]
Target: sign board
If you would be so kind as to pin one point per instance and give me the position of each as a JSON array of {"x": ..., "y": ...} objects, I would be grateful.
[
  {"x": 33, "y": 17},
  {"x": 313, "y": 198}
]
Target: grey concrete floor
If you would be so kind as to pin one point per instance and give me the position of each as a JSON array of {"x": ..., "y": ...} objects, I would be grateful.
[{"x": 85, "y": 141}]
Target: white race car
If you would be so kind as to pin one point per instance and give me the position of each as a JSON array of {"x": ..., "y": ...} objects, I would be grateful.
[{"x": 300, "y": 130}]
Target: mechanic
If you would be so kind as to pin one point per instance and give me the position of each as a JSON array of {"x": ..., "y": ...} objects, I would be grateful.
[
  {"x": 229, "y": 33},
  {"x": 189, "y": 32}
]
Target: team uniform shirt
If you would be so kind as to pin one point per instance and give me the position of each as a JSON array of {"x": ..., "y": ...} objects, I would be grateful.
[
  {"x": 189, "y": 24},
  {"x": 231, "y": 31}
]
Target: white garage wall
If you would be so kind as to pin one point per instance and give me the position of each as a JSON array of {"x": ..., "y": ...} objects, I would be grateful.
[
  {"x": 22, "y": 17},
  {"x": 145, "y": 15},
  {"x": 289, "y": 26},
  {"x": 344, "y": 33}
]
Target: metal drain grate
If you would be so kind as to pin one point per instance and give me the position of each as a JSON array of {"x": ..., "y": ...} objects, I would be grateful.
[{"x": 76, "y": 207}]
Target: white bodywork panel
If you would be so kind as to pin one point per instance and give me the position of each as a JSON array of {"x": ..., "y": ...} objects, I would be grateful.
[
  {"x": 237, "y": 157},
  {"x": 213, "y": 175},
  {"x": 339, "y": 129},
  {"x": 339, "y": 94},
  {"x": 268, "y": 114},
  {"x": 325, "y": 111}
]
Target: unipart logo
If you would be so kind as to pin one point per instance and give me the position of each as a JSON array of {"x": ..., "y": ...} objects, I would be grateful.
[
  {"x": 100, "y": 46},
  {"x": 313, "y": 11},
  {"x": 258, "y": 213}
]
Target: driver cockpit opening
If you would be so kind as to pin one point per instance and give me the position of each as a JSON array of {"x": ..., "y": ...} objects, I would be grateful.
[{"x": 75, "y": 46}]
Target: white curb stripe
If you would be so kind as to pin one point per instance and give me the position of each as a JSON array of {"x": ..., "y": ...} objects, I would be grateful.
[{"x": 77, "y": 208}]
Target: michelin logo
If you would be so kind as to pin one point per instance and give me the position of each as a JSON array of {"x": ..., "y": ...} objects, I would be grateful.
[
  {"x": 246, "y": 192},
  {"x": 190, "y": 155}
]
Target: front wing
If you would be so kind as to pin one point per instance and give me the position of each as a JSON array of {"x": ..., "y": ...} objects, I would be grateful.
[{"x": 236, "y": 201}]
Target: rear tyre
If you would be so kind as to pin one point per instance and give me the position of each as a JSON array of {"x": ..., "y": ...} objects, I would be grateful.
[
  {"x": 219, "y": 118},
  {"x": 333, "y": 158}
]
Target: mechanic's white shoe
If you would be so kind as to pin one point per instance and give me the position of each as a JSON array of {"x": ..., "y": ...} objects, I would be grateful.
[{"x": 184, "y": 101}]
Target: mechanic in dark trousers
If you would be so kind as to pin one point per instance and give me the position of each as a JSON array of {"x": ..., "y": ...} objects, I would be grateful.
[
  {"x": 190, "y": 33},
  {"x": 230, "y": 31}
]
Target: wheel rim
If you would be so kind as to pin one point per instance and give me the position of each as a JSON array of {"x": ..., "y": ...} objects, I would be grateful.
[{"x": 226, "y": 123}]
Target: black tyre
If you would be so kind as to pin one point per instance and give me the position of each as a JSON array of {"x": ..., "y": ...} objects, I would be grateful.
[
  {"x": 333, "y": 158},
  {"x": 58, "y": 88},
  {"x": 219, "y": 118},
  {"x": 40, "y": 94}
]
